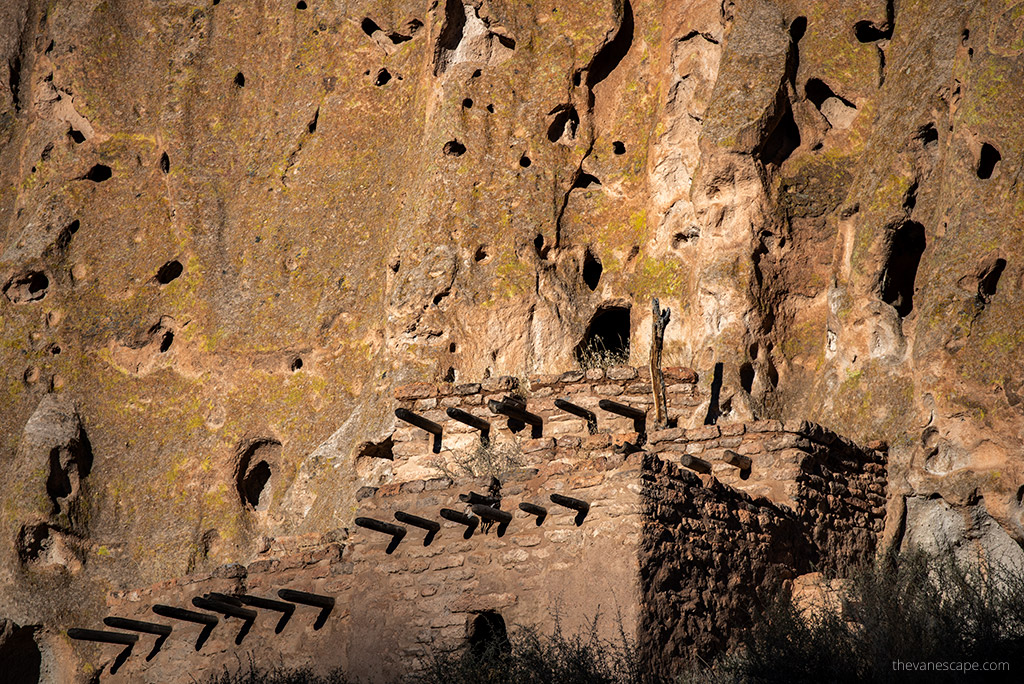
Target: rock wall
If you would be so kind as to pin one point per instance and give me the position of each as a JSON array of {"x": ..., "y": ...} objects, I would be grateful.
[
  {"x": 228, "y": 231},
  {"x": 671, "y": 557}
]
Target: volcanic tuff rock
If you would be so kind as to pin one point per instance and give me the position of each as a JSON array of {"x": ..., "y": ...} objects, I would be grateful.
[{"x": 228, "y": 229}]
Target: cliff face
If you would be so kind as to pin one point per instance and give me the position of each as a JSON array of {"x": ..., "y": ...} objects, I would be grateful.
[{"x": 229, "y": 229}]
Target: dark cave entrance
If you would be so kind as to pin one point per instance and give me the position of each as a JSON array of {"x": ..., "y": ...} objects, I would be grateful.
[
  {"x": 606, "y": 341},
  {"x": 20, "y": 657},
  {"x": 907, "y": 246},
  {"x": 488, "y": 634}
]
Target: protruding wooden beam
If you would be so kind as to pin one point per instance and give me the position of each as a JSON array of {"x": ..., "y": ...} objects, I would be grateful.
[
  {"x": 324, "y": 603},
  {"x": 431, "y": 526},
  {"x": 469, "y": 521},
  {"x": 638, "y": 416},
  {"x": 467, "y": 418},
  {"x": 533, "y": 509},
  {"x": 173, "y": 612},
  {"x": 138, "y": 626},
  {"x": 693, "y": 463},
  {"x": 518, "y": 412},
  {"x": 176, "y": 613},
  {"x": 474, "y": 498},
  {"x": 397, "y": 532},
  {"x": 423, "y": 423},
  {"x": 103, "y": 636},
  {"x": 579, "y": 411},
  {"x": 306, "y": 598},
  {"x": 581, "y": 507},
  {"x": 738, "y": 460}
]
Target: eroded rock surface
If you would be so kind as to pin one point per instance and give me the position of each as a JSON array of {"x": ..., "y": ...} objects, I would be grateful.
[{"x": 223, "y": 226}]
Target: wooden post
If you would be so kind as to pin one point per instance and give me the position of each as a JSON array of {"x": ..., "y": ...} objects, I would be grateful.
[{"x": 658, "y": 323}]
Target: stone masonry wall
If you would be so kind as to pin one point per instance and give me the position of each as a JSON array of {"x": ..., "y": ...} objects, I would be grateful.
[
  {"x": 674, "y": 557},
  {"x": 707, "y": 548}
]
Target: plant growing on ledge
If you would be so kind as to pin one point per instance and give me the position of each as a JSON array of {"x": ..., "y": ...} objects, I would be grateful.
[
  {"x": 596, "y": 355},
  {"x": 491, "y": 460}
]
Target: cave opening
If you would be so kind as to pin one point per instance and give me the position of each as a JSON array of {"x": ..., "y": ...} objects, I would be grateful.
[
  {"x": 255, "y": 481},
  {"x": 29, "y": 287},
  {"x": 747, "y": 377},
  {"x": 98, "y": 173},
  {"x": 592, "y": 269},
  {"x": 253, "y": 472},
  {"x": 488, "y": 635},
  {"x": 782, "y": 141},
  {"x": 987, "y": 161},
  {"x": 169, "y": 271},
  {"x": 21, "y": 657},
  {"x": 453, "y": 148},
  {"x": 606, "y": 340},
  {"x": 900, "y": 273}
]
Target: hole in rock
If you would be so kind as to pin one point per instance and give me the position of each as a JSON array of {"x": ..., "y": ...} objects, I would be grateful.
[
  {"x": 988, "y": 279},
  {"x": 253, "y": 471},
  {"x": 449, "y": 376},
  {"x": 32, "y": 541},
  {"x": 564, "y": 123},
  {"x": 490, "y": 109},
  {"x": 525, "y": 162},
  {"x": 169, "y": 271},
  {"x": 64, "y": 239},
  {"x": 467, "y": 103},
  {"x": 21, "y": 658},
  {"x": 28, "y": 287},
  {"x": 798, "y": 28},
  {"x": 166, "y": 341},
  {"x": 452, "y": 348},
  {"x": 606, "y": 340},
  {"x": 98, "y": 173},
  {"x": 905, "y": 250},
  {"x": 296, "y": 364},
  {"x": 747, "y": 377},
  {"x": 300, "y": 5},
  {"x": 818, "y": 91},
  {"x": 592, "y": 270},
  {"x": 311, "y": 126},
  {"x": 685, "y": 237},
  {"x": 381, "y": 449},
  {"x": 255, "y": 481},
  {"x": 239, "y": 80},
  {"x": 1020, "y": 495},
  {"x": 76, "y": 135},
  {"x": 538, "y": 245},
  {"x": 165, "y": 163},
  {"x": 965, "y": 36},
  {"x": 773, "y": 373},
  {"x": 585, "y": 180},
  {"x": 55, "y": 349},
  {"x": 453, "y": 148},
  {"x": 782, "y": 141},
  {"x": 987, "y": 161},
  {"x": 481, "y": 253},
  {"x": 487, "y": 635},
  {"x": 477, "y": 73},
  {"x": 383, "y": 76},
  {"x": 867, "y": 32},
  {"x": 369, "y": 26},
  {"x": 618, "y": 147},
  {"x": 577, "y": 77},
  {"x": 450, "y": 36},
  {"x": 927, "y": 134},
  {"x": 614, "y": 51}
]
